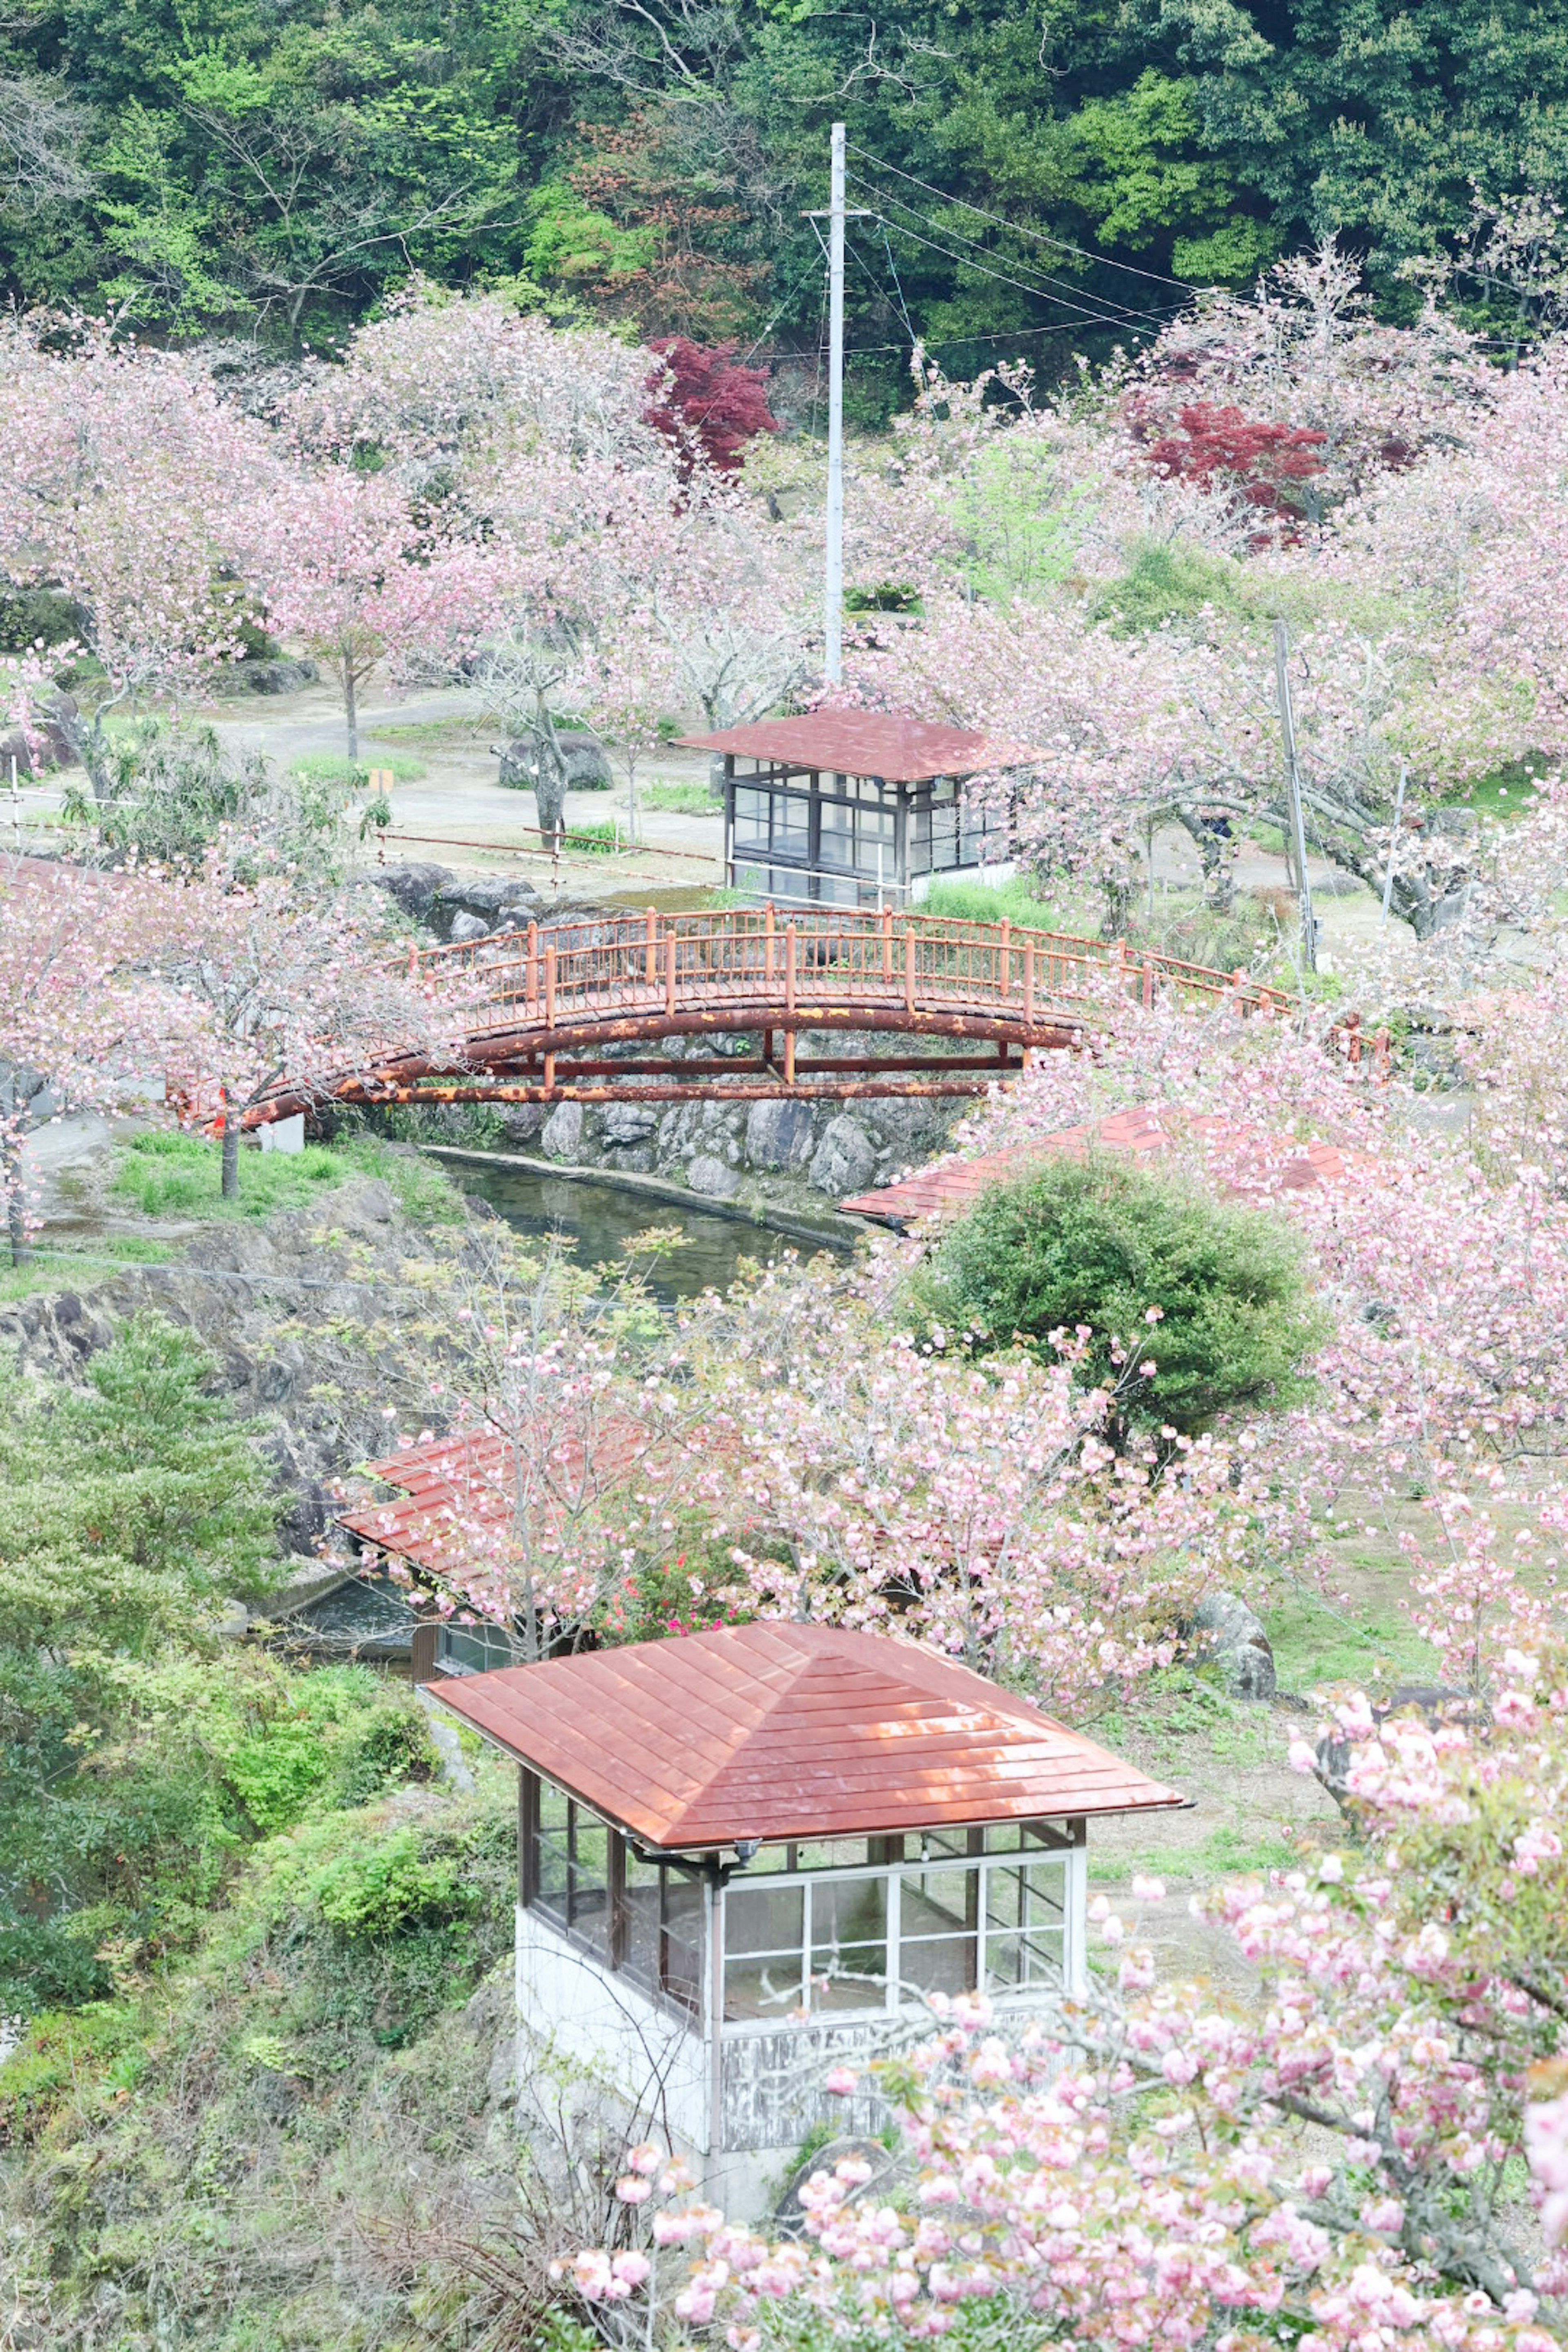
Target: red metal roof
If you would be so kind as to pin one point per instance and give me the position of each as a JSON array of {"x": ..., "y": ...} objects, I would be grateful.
[
  {"x": 866, "y": 744},
  {"x": 779, "y": 1730},
  {"x": 1147, "y": 1128},
  {"x": 460, "y": 1494}
]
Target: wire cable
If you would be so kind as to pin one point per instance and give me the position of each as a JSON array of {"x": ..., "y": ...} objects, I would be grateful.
[
  {"x": 1086, "y": 317},
  {"x": 1061, "y": 244},
  {"x": 1074, "y": 292}
]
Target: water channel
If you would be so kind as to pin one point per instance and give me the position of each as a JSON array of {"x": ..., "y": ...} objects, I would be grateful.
[{"x": 598, "y": 1222}]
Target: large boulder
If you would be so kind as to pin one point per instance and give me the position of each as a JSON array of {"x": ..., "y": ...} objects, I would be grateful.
[
  {"x": 52, "y": 744},
  {"x": 779, "y": 1135},
  {"x": 563, "y": 1133},
  {"x": 1224, "y": 1631},
  {"x": 712, "y": 1176},
  {"x": 587, "y": 769},
  {"x": 845, "y": 1161},
  {"x": 468, "y": 926},
  {"x": 275, "y": 676},
  {"x": 626, "y": 1123},
  {"x": 416, "y": 887}
]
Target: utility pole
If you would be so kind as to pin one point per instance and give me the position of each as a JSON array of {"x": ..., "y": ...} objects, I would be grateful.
[
  {"x": 833, "y": 583},
  {"x": 1293, "y": 791}
]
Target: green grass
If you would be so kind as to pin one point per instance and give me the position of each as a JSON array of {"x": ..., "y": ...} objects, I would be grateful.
[
  {"x": 167, "y": 1173},
  {"x": 430, "y": 734},
  {"x": 1225, "y": 1853},
  {"x": 54, "y": 1269},
  {"x": 1314, "y": 1645},
  {"x": 336, "y": 768},
  {"x": 680, "y": 800},
  {"x": 978, "y": 902},
  {"x": 1506, "y": 793},
  {"x": 599, "y": 837}
]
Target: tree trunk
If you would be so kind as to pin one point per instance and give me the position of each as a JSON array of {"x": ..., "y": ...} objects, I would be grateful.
[
  {"x": 351, "y": 712},
  {"x": 15, "y": 1205},
  {"x": 231, "y": 1149}
]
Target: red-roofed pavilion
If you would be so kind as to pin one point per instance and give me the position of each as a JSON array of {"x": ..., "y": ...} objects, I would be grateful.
[
  {"x": 855, "y": 808},
  {"x": 744, "y": 1854}
]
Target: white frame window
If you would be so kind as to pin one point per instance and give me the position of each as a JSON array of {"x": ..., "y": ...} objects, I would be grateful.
[{"x": 856, "y": 1937}]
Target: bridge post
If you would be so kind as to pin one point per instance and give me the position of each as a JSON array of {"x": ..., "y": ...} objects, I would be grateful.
[
  {"x": 1006, "y": 956},
  {"x": 790, "y": 944},
  {"x": 769, "y": 926},
  {"x": 669, "y": 971},
  {"x": 789, "y": 1057},
  {"x": 652, "y": 946},
  {"x": 1148, "y": 985},
  {"x": 886, "y": 944},
  {"x": 549, "y": 987},
  {"x": 908, "y": 971},
  {"x": 1028, "y": 980},
  {"x": 532, "y": 968}
]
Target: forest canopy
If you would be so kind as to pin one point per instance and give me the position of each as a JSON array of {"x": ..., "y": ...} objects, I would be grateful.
[{"x": 1051, "y": 178}]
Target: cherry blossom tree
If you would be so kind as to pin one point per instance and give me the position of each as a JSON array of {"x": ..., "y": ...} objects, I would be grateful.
[
  {"x": 123, "y": 469},
  {"x": 1326, "y": 2158},
  {"x": 284, "y": 987},
  {"x": 81, "y": 1017},
  {"x": 347, "y": 569}
]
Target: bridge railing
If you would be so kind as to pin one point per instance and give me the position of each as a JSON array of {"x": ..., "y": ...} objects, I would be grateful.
[{"x": 653, "y": 963}]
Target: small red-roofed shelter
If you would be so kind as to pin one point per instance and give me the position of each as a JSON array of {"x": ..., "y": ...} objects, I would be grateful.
[
  {"x": 856, "y": 808},
  {"x": 754, "y": 1849},
  {"x": 1258, "y": 1163}
]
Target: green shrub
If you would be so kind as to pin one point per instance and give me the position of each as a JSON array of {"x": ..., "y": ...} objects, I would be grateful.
[
  {"x": 1166, "y": 584},
  {"x": 680, "y": 800},
  {"x": 337, "y": 767},
  {"x": 382, "y": 1890},
  {"x": 1095, "y": 1242}
]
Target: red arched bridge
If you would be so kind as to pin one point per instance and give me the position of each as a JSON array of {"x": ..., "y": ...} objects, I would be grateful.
[{"x": 617, "y": 1009}]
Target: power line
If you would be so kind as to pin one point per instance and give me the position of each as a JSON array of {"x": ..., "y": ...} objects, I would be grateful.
[
  {"x": 1061, "y": 244},
  {"x": 1086, "y": 317},
  {"x": 1074, "y": 292}
]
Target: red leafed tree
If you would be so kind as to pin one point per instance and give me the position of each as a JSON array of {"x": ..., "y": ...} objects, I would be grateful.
[
  {"x": 703, "y": 399},
  {"x": 1222, "y": 447}
]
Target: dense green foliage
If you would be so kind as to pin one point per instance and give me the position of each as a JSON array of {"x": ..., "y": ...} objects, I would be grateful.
[
  {"x": 248, "y": 2152},
  {"x": 139, "y": 1752},
  {"x": 1094, "y": 1243},
  {"x": 225, "y": 163}
]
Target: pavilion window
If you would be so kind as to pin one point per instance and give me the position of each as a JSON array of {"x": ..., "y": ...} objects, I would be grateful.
[
  {"x": 643, "y": 1920},
  {"x": 947, "y": 1911}
]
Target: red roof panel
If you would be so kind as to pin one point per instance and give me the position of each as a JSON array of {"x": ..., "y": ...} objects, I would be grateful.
[
  {"x": 1146, "y": 1128},
  {"x": 784, "y": 1730},
  {"x": 866, "y": 744}
]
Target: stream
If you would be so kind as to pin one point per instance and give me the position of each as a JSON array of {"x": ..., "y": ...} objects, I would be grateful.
[{"x": 597, "y": 1222}]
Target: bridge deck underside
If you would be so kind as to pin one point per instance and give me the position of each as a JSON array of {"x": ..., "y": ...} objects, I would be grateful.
[{"x": 590, "y": 1055}]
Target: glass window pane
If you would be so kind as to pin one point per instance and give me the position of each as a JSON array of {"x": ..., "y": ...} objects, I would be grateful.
[
  {"x": 642, "y": 1920},
  {"x": 835, "y": 1854},
  {"x": 1013, "y": 1962},
  {"x": 683, "y": 1956},
  {"x": 588, "y": 1897},
  {"x": 848, "y": 1943},
  {"x": 765, "y": 1918},
  {"x": 939, "y": 1915},
  {"x": 550, "y": 1864}
]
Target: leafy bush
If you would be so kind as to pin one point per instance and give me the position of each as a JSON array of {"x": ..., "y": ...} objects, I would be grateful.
[
  {"x": 1098, "y": 1243},
  {"x": 1166, "y": 584},
  {"x": 981, "y": 902},
  {"x": 680, "y": 800},
  {"x": 172, "y": 790},
  {"x": 320, "y": 767},
  {"x": 386, "y": 1889}
]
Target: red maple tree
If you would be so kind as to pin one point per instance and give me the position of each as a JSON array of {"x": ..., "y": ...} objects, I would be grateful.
[
  {"x": 1254, "y": 458},
  {"x": 705, "y": 399}
]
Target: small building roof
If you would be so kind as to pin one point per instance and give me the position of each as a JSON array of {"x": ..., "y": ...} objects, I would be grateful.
[
  {"x": 899, "y": 749},
  {"x": 775, "y": 1730},
  {"x": 1262, "y": 1165}
]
